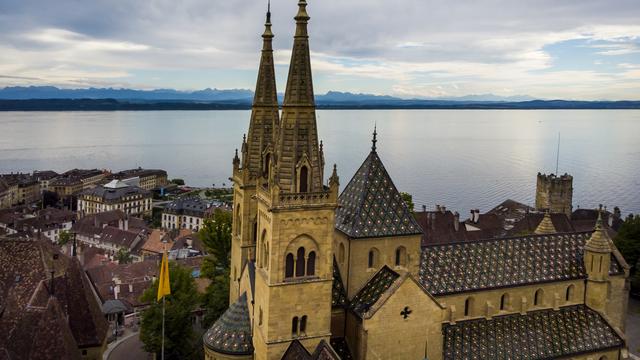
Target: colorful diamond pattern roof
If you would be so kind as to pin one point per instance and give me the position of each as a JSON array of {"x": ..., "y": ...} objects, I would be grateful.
[
  {"x": 371, "y": 206},
  {"x": 544, "y": 334},
  {"x": 496, "y": 263},
  {"x": 338, "y": 294},
  {"x": 231, "y": 333},
  {"x": 373, "y": 290}
]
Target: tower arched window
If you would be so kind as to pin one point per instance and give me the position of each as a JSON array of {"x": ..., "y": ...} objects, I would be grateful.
[
  {"x": 373, "y": 258},
  {"x": 569, "y": 294},
  {"x": 300, "y": 260},
  {"x": 303, "y": 325},
  {"x": 304, "y": 179},
  {"x": 401, "y": 256},
  {"x": 294, "y": 327},
  {"x": 468, "y": 306},
  {"x": 538, "y": 299},
  {"x": 289, "y": 265},
  {"x": 505, "y": 302},
  {"x": 311, "y": 264},
  {"x": 255, "y": 231}
]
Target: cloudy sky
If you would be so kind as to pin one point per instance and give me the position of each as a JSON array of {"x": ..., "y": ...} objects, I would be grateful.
[{"x": 572, "y": 49}]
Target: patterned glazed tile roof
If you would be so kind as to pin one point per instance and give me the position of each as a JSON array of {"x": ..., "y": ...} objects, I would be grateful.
[
  {"x": 338, "y": 294},
  {"x": 296, "y": 351},
  {"x": 324, "y": 351},
  {"x": 231, "y": 333},
  {"x": 373, "y": 290},
  {"x": 341, "y": 348},
  {"x": 544, "y": 334},
  {"x": 496, "y": 263},
  {"x": 371, "y": 206}
]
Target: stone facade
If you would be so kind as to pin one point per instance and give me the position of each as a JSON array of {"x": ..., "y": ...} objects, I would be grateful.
[{"x": 555, "y": 193}]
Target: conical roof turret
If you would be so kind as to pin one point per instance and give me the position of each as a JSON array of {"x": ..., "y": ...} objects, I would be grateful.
[
  {"x": 600, "y": 240},
  {"x": 546, "y": 225}
]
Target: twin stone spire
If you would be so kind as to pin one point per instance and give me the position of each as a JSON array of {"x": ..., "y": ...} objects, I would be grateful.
[{"x": 285, "y": 150}]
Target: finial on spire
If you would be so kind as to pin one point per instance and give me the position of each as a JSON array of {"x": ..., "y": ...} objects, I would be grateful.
[
  {"x": 375, "y": 137},
  {"x": 269, "y": 12}
]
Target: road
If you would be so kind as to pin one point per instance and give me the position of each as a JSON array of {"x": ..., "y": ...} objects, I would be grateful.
[{"x": 129, "y": 349}]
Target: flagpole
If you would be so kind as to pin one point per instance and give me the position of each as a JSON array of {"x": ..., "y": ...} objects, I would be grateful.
[{"x": 162, "y": 356}]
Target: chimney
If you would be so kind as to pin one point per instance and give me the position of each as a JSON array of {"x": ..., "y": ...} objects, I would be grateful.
[
  {"x": 456, "y": 221},
  {"x": 437, "y": 207},
  {"x": 95, "y": 221},
  {"x": 424, "y": 208},
  {"x": 610, "y": 220},
  {"x": 443, "y": 209},
  {"x": 473, "y": 216},
  {"x": 126, "y": 223},
  {"x": 130, "y": 288},
  {"x": 116, "y": 291},
  {"x": 477, "y": 217}
]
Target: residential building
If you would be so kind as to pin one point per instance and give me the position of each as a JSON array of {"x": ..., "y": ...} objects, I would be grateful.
[
  {"x": 116, "y": 195},
  {"x": 76, "y": 180},
  {"x": 48, "y": 308},
  {"x": 8, "y": 194},
  {"x": 150, "y": 179},
  {"x": 45, "y": 178},
  {"x": 48, "y": 223},
  {"x": 187, "y": 213},
  {"x": 24, "y": 188},
  {"x": 318, "y": 275},
  {"x": 112, "y": 232}
]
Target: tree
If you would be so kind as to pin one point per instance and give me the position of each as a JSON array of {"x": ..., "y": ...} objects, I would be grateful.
[
  {"x": 179, "y": 182},
  {"x": 408, "y": 199},
  {"x": 216, "y": 237},
  {"x": 123, "y": 256},
  {"x": 179, "y": 340},
  {"x": 64, "y": 237},
  {"x": 628, "y": 243}
]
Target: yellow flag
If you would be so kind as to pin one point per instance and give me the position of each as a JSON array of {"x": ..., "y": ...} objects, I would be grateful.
[{"x": 164, "y": 288}]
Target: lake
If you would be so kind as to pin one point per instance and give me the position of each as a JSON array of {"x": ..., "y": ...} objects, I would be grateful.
[{"x": 459, "y": 158}]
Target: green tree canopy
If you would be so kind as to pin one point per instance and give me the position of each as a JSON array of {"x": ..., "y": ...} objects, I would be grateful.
[
  {"x": 123, "y": 256},
  {"x": 628, "y": 242},
  {"x": 408, "y": 199},
  {"x": 216, "y": 236},
  {"x": 64, "y": 237},
  {"x": 178, "y": 181},
  {"x": 180, "y": 342}
]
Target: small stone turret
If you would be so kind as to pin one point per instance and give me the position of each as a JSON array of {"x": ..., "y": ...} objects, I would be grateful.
[
  {"x": 546, "y": 225},
  {"x": 555, "y": 193},
  {"x": 597, "y": 262}
]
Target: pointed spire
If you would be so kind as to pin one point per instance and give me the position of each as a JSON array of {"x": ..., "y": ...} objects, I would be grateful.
[
  {"x": 546, "y": 225},
  {"x": 299, "y": 90},
  {"x": 334, "y": 179},
  {"x": 374, "y": 141},
  {"x": 600, "y": 240}
]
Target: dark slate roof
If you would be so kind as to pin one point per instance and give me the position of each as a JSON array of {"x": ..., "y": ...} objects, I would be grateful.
[
  {"x": 506, "y": 262},
  {"x": 296, "y": 351},
  {"x": 530, "y": 222},
  {"x": 108, "y": 194},
  {"x": 544, "y": 334},
  {"x": 324, "y": 351},
  {"x": 338, "y": 294},
  {"x": 342, "y": 348},
  {"x": 193, "y": 206},
  {"x": 373, "y": 290},
  {"x": 231, "y": 333},
  {"x": 371, "y": 206},
  {"x": 252, "y": 277}
]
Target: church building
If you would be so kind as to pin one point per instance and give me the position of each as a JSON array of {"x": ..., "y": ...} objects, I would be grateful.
[{"x": 321, "y": 274}]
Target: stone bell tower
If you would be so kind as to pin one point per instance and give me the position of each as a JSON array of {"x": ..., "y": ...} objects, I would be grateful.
[
  {"x": 294, "y": 262},
  {"x": 257, "y": 155},
  {"x": 554, "y": 193}
]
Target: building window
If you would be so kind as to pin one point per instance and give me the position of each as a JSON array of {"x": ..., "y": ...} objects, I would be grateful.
[
  {"x": 311, "y": 267},
  {"x": 401, "y": 256},
  {"x": 300, "y": 262},
  {"x": 468, "y": 306},
  {"x": 294, "y": 327},
  {"x": 288, "y": 271},
  {"x": 303, "y": 325},
  {"x": 304, "y": 179},
  {"x": 538, "y": 299},
  {"x": 504, "y": 302},
  {"x": 570, "y": 291},
  {"x": 373, "y": 258}
]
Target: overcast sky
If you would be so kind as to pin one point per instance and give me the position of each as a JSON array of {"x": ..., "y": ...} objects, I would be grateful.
[{"x": 582, "y": 49}]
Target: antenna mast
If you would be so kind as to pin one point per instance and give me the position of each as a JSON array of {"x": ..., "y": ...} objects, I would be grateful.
[{"x": 558, "y": 154}]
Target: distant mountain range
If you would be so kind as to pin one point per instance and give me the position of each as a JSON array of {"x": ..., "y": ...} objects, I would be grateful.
[{"x": 49, "y": 98}]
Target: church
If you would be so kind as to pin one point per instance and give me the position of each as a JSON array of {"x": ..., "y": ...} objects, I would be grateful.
[{"x": 319, "y": 273}]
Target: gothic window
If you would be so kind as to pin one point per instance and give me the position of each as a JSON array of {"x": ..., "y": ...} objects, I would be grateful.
[
  {"x": 311, "y": 264},
  {"x": 570, "y": 291},
  {"x": 504, "y": 302},
  {"x": 303, "y": 325},
  {"x": 266, "y": 255},
  {"x": 255, "y": 231},
  {"x": 468, "y": 306},
  {"x": 401, "y": 256},
  {"x": 538, "y": 299},
  {"x": 341, "y": 253},
  {"x": 373, "y": 258},
  {"x": 238, "y": 221},
  {"x": 260, "y": 317},
  {"x": 304, "y": 179},
  {"x": 263, "y": 249},
  {"x": 300, "y": 262},
  {"x": 267, "y": 164},
  {"x": 294, "y": 327},
  {"x": 288, "y": 272}
]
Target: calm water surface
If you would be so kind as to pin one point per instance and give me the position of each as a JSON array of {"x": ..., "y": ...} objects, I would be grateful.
[{"x": 460, "y": 158}]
